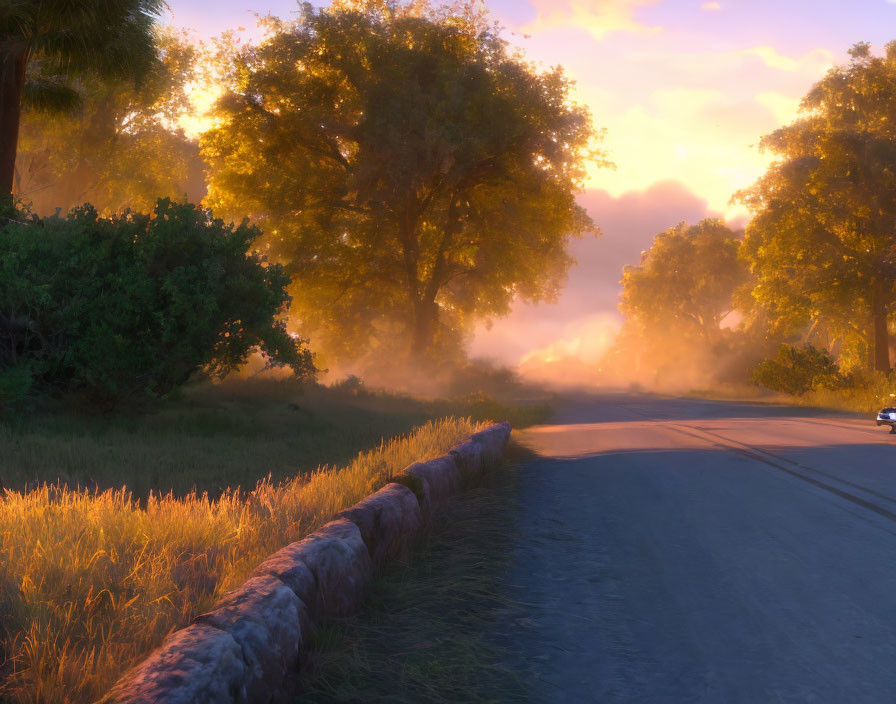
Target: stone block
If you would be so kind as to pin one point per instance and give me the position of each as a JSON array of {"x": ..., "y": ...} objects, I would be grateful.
[
  {"x": 337, "y": 557},
  {"x": 390, "y": 522},
  {"x": 440, "y": 478},
  {"x": 287, "y": 566},
  {"x": 269, "y": 623},
  {"x": 492, "y": 441},
  {"x": 468, "y": 458},
  {"x": 198, "y": 664}
]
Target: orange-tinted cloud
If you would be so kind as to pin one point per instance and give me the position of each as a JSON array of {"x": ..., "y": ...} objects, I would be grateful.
[
  {"x": 688, "y": 103},
  {"x": 598, "y": 17},
  {"x": 815, "y": 60}
]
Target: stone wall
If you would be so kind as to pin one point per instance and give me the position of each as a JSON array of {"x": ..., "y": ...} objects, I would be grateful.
[{"x": 248, "y": 649}]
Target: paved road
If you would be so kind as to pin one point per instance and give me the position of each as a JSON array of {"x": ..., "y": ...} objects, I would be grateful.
[{"x": 675, "y": 550}]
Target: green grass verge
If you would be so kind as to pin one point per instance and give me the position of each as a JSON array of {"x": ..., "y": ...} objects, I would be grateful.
[
  {"x": 424, "y": 633},
  {"x": 864, "y": 401},
  {"x": 219, "y": 436},
  {"x": 859, "y": 401}
]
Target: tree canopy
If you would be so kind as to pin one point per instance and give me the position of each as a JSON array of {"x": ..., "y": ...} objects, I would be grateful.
[
  {"x": 822, "y": 242},
  {"x": 412, "y": 172},
  {"x": 46, "y": 44},
  {"x": 675, "y": 302},
  {"x": 121, "y": 147},
  {"x": 686, "y": 281}
]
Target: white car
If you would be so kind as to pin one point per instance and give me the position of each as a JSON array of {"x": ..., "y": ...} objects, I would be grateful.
[{"x": 887, "y": 416}]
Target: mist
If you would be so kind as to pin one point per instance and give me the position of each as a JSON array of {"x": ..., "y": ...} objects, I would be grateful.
[{"x": 574, "y": 342}]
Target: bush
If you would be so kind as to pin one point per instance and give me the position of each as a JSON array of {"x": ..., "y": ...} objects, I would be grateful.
[
  {"x": 135, "y": 304},
  {"x": 350, "y": 386},
  {"x": 797, "y": 370}
]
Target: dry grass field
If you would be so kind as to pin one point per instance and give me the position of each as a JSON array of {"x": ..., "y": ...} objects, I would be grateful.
[{"x": 93, "y": 578}]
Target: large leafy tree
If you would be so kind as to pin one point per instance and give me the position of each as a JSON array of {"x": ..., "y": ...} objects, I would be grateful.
[
  {"x": 45, "y": 45},
  {"x": 674, "y": 302},
  {"x": 822, "y": 242},
  {"x": 413, "y": 172},
  {"x": 122, "y": 147},
  {"x": 686, "y": 281}
]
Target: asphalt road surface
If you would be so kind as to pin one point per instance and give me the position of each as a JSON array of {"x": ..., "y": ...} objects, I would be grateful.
[{"x": 674, "y": 550}]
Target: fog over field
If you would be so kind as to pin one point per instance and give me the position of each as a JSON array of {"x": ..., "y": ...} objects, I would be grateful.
[{"x": 565, "y": 341}]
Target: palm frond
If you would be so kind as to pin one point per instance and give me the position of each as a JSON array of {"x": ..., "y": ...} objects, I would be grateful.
[
  {"x": 110, "y": 37},
  {"x": 17, "y": 19},
  {"x": 51, "y": 94}
]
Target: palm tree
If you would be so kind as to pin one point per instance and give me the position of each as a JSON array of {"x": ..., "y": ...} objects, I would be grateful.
[{"x": 46, "y": 44}]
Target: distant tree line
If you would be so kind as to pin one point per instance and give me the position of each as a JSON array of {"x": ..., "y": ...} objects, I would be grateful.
[{"x": 813, "y": 279}]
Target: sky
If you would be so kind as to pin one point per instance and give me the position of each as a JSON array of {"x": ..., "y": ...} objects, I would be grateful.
[{"x": 685, "y": 89}]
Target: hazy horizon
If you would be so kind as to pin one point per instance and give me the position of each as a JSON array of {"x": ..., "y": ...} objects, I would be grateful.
[{"x": 685, "y": 90}]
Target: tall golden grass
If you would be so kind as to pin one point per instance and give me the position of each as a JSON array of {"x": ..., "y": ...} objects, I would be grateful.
[{"x": 92, "y": 581}]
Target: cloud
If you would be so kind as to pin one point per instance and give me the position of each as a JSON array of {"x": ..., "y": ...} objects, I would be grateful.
[
  {"x": 772, "y": 58},
  {"x": 598, "y": 17},
  {"x": 714, "y": 6},
  {"x": 784, "y": 107},
  {"x": 698, "y": 136},
  {"x": 695, "y": 115}
]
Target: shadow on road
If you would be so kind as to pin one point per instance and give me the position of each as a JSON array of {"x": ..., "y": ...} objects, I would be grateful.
[{"x": 690, "y": 574}]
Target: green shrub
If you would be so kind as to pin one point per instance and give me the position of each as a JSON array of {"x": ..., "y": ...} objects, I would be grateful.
[
  {"x": 15, "y": 384},
  {"x": 797, "y": 370},
  {"x": 135, "y": 304}
]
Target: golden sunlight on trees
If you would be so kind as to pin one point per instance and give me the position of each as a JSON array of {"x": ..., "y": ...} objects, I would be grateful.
[
  {"x": 414, "y": 173},
  {"x": 685, "y": 281},
  {"x": 675, "y": 302},
  {"x": 46, "y": 46},
  {"x": 822, "y": 243},
  {"x": 120, "y": 148}
]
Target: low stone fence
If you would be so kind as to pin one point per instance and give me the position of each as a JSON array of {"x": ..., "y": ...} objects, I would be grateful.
[{"x": 248, "y": 649}]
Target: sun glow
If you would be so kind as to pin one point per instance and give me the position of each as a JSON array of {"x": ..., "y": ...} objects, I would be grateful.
[{"x": 202, "y": 97}]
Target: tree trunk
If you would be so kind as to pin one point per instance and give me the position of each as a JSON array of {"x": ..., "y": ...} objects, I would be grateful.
[
  {"x": 426, "y": 310},
  {"x": 880, "y": 339},
  {"x": 12, "y": 83},
  {"x": 426, "y": 318}
]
